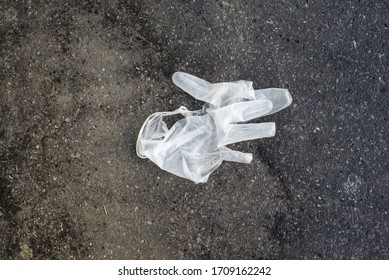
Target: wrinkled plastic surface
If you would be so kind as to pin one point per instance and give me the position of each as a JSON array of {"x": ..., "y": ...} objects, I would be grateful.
[
  {"x": 222, "y": 94},
  {"x": 196, "y": 144}
]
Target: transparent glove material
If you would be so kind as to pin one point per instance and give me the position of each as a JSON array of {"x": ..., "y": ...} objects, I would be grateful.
[
  {"x": 195, "y": 145},
  {"x": 222, "y": 94}
]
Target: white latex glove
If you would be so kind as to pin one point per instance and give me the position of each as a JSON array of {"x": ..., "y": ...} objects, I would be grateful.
[{"x": 195, "y": 145}]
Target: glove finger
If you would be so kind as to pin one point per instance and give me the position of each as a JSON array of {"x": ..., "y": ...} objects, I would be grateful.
[
  {"x": 243, "y": 132},
  {"x": 218, "y": 94},
  {"x": 193, "y": 85},
  {"x": 236, "y": 156},
  {"x": 280, "y": 98},
  {"x": 223, "y": 94},
  {"x": 241, "y": 112}
]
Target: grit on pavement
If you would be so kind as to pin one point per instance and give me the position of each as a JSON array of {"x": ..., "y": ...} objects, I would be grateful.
[{"x": 78, "y": 79}]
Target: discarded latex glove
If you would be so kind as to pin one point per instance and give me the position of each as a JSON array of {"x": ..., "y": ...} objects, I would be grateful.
[{"x": 195, "y": 145}]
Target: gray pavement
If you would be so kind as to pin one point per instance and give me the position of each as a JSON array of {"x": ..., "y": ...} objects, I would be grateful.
[{"x": 78, "y": 78}]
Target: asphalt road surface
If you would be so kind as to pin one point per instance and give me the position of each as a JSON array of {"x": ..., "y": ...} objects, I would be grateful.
[{"x": 78, "y": 78}]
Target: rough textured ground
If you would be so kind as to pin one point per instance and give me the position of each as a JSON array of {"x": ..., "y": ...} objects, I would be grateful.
[{"x": 78, "y": 78}]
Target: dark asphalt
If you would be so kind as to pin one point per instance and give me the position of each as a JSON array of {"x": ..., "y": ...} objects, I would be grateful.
[{"x": 78, "y": 78}]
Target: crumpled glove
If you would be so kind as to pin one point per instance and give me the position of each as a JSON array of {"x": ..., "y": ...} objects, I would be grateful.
[{"x": 195, "y": 145}]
